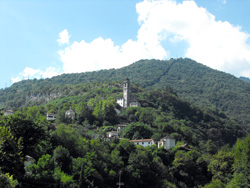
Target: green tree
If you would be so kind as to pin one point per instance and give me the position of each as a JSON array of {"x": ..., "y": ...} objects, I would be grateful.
[
  {"x": 83, "y": 112},
  {"x": 215, "y": 184},
  {"x": 63, "y": 159},
  {"x": 146, "y": 116},
  {"x": 239, "y": 181},
  {"x": 105, "y": 110},
  {"x": 145, "y": 169},
  {"x": 221, "y": 164},
  {"x": 43, "y": 171},
  {"x": 143, "y": 130},
  {"x": 11, "y": 160},
  {"x": 7, "y": 181},
  {"x": 22, "y": 127},
  {"x": 68, "y": 137}
]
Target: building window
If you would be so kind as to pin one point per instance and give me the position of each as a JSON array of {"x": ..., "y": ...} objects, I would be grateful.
[
  {"x": 142, "y": 143},
  {"x": 148, "y": 142}
]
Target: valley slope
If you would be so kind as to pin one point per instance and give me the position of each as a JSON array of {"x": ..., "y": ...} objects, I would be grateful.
[{"x": 192, "y": 81}]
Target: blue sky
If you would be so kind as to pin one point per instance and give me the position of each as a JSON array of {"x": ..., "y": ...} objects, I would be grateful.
[{"x": 42, "y": 38}]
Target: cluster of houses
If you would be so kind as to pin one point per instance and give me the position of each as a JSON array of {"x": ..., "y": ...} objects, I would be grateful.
[{"x": 167, "y": 142}]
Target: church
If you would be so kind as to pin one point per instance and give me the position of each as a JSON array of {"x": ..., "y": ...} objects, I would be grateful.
[{"x": 127, "y": 100}]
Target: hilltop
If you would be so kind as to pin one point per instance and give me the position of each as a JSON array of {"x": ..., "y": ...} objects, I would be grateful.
[{"x": 192, "y": 81}]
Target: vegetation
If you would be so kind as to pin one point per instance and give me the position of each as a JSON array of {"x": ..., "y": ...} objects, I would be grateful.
[
  {"x": 203, "y": 109},
  {"x": 76, "y": 153},
  {"x": 194, "y": 82}
]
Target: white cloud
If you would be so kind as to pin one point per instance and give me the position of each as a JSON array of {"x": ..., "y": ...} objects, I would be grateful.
[
  {"x": 30, "y": 73},
  {"x": 217, "y": 44},
  {"x": 63, "y": 37},
  {"x": 224, "y": 1},
  {"x": 103, "y": 54}
]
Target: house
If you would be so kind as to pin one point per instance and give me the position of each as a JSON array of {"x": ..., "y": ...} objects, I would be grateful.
[
  {"x": 167, "y": 142},
  {"x": 134, "y": 103},
  {"x": 51, "y": 117},
  {"x": 70, "y": 114},
  {"x": 112, "y": 134},
  {"x": 28, "y": 160},
  {"x": 121, "y": 127},
  {"x": 8, "y": 112},
  {"x": 143, "y": 142},
  {"x": 127, "y": 100}
]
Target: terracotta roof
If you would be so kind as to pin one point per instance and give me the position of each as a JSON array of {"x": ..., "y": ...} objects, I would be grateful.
[{"x": 143, "y": 140}]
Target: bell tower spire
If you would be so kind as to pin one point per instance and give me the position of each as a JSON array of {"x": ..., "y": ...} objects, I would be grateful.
[{"x": 126, "y": 93}]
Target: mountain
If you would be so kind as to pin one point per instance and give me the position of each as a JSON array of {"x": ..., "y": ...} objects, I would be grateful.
[
  {"x": 76, "y": 152},
  {"x": 245, "y": 79},
  {"x": 192, "y": 81}
]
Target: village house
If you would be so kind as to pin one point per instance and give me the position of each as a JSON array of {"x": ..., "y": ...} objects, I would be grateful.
[
  {"x": 112, "y": 134},
  {"x": 28, "y": 160},
  {"x": 51, "y": 117},
  {"x": 167, "y": 142},
  {"x": 121, "y": 127},
  {"x": 143, "y": 142},
  {"x": 70, "y": 114},
  {"x": 8, "y": 112}
]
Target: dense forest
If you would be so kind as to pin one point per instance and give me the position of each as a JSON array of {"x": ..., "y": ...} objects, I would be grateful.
[
  {"x": 194, "y": 82},
  {"x": 76, "y": 152}
]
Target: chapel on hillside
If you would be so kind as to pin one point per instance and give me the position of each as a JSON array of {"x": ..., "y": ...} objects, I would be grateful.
[{"x": 127, "y": 100}]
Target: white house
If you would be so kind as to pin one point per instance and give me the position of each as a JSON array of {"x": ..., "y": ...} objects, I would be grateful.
[
  {"x": 8, "y": 112},
  {"x": 121, "y": 127},
  {"x": 134, "y": 103},
  {"x": 70, "y": 114},
  {"x": 112, "y": 134},
  {"x": 167, "y": 142},
  {"x": 51, "y": 117},
  {"x": 28, "y": 160},
  {"x": 143, "y": 142}
]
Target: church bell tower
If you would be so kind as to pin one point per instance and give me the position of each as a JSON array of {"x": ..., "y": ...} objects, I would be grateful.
[{"x": 126, "y": 93}]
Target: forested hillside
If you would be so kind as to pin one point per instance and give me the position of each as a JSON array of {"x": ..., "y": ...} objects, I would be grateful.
[
  {"x": 194, "y": 82},
  {"x": 76, "y": 152}
]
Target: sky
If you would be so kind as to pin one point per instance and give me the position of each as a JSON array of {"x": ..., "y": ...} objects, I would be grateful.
[{"x": 42, "y": 38}]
